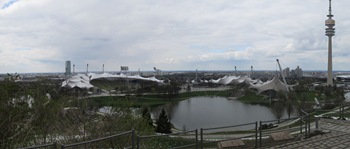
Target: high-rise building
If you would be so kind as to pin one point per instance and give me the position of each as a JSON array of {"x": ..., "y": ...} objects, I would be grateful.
[
  {"x": 68, "y": 68},
  {"x": 286, "y": 72},
  {"x": 298, "y": 72}
]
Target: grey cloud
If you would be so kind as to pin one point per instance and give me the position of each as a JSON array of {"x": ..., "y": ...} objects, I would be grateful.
[{"x": 143, "y": 34}]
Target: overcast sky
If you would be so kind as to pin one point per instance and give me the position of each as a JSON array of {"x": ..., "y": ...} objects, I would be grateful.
[{"x": 40, "y": 35}]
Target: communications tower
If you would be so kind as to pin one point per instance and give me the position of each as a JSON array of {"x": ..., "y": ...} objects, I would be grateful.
[{"x": 330, "y": 33}]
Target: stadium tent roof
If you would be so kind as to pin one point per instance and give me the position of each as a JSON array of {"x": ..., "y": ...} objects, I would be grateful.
[
  {"x": 214, "y": 81},
  {"x": 80, "y": 80},
  {"x": 83, "y": 80},
  {"x": 236, "y": 80},
  {"x": 274, "y": 84},
  {"x": 228, "y": 79}
]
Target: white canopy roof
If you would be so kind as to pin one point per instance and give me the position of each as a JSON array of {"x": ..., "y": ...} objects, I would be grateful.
[
  {"x": 83, "y": 80},
  {"x": 274, "y": 84},
  {"x": 235, "y": 80}
]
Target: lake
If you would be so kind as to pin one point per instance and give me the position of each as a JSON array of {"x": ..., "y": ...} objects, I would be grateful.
[{"x": 208, "y": 112}]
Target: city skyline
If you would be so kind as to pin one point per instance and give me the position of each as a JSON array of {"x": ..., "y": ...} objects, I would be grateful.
[{"x": 39, "y": 36}]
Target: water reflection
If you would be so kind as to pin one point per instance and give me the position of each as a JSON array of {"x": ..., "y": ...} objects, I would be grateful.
[{"x": 208, "y": 112}]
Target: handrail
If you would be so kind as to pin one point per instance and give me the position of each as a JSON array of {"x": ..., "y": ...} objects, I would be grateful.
[
  {"x": 279, "y": 130},
  {"x": 139, "y": 138},
  {"x": 40, "y": 146},
  {"x": 304, "y": 120},
  {"x": 254, "y": 131},
  {"x": 307, "y": 122},
  {"x": 281, "y": 119},
  {"x": 161, "y": 135},
  {"x": 184, "y": 146},
  {"x": 304, "y": 112},
  {"x": 97, "y": 140},
  {"x": 239, "y": 125}
]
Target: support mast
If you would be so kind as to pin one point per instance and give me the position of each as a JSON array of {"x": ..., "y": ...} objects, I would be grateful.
[{"x": 284, "y": 79}]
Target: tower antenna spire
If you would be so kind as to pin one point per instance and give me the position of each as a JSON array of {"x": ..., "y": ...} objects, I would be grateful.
[{"x": 330, "y": 9}]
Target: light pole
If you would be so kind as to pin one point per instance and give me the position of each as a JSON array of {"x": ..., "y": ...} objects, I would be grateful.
[
  {"x": 235, "y": 71},
  {"x": 87, "y": 68}
]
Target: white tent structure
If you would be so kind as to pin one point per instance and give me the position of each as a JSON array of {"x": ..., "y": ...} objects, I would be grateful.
[
  {"x": 236, "y": 80},
  {"x": 228, "y": 79},
  {"x": 83, "y": 80},
  {"x": 274, "y": 84},
  {"x": 79, "y": 80},
  {"x": 214, "y": 81}
]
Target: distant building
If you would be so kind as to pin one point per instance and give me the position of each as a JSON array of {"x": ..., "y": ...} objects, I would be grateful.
[
  {"x": 158, "y": 72},
  {"x": 298, "y": 72},
  {"x": 68, "y": 68},
  {"x": 124, "y": 69},
  {"x": 286, "y": 72}
]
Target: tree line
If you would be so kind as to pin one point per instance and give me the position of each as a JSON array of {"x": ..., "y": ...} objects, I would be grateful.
[{"x": 41, "y": 112}]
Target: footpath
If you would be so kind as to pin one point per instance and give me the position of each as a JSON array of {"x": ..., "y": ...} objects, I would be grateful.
[{"x": 336, "y": 136}]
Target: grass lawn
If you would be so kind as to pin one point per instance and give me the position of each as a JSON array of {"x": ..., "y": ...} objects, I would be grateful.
[
  {"x": 308, "y": 95},
  {"x": 131, "y": 101},
  {"x": 166, "y": 142},
  {"x": 225, "y": 93},
  {"x": 152, "y": 100},
  {"x": 155, "y": 100},
  {"x": 251, "y": 97}
]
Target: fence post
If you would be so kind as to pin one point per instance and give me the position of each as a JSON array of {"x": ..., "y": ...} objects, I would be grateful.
[
  {"x": 62, "y": 146},
  {"x": 316, "y": 122},
  {"x": 201, "y": 138},
  {"x": 196, "y": 133},
  {"x": 309, "y": 123},
  {"x": 137, "y": 142},
  {"x": 55, "y": 145},
  {"x": 132, "y": 138},
  {"x": 340, "y": 111},
  {"x": 301, "y": 125},
  {"x": 256, "y": 134},
  {"x": 260, "y": 133},
  {"x": 305, "y": 121}
]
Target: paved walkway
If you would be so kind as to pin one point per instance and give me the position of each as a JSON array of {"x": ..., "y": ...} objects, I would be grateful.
[{"x": 337, "y": 137}]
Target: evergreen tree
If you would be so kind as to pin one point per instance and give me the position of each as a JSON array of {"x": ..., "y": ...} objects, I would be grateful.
[
  {"x": 147, "y": 116},
  {"x": 163, "y": 123}
]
